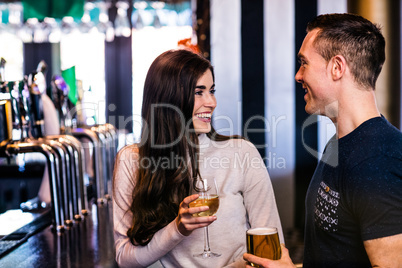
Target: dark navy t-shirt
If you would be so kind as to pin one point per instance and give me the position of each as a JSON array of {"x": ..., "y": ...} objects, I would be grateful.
[{"x": 355, "y": 195}]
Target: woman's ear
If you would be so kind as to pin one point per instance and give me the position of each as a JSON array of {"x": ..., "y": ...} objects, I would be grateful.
[{"x": 338, "y": 67}]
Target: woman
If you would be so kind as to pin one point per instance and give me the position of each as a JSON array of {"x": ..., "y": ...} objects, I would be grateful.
[{"x": 154, "y": 180}]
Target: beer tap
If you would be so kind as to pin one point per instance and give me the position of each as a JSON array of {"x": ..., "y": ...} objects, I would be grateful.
[
  {"x": 77, "y": 190},
  {"x": 107, "y": 136},
  {"x": 81, "y": 193},
  {"x": 2, "y": 70},
  {"x": 5, "y": 121},
  {"x": 95, "y": 148},
  {"x": 60, "y": 91},
  {"x": 64, "y": 183},
  {"x": 53, "y": 163},
  {"x": 26, "y": 145},
  {"x": 16, "y": 111},
  {"x": 31, "y": 109},
  {"x": 114, "y": 142},
  {"x": 104, "y": 147},
  {"x": 100, "y": 138},
  {"x": 6, "y": 113},
  {"x": 108, "y": 148},
  {"x": 25, "y": 110},
  {"x": 64, "y": 154},
  {"x": 37, "y": 86}
]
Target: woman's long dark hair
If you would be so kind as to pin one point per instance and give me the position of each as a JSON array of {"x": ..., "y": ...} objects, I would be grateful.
[{"x": 167, "y": 156}]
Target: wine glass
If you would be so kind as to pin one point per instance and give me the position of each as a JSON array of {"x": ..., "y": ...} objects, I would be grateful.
[{"x": 208, "y": 196}]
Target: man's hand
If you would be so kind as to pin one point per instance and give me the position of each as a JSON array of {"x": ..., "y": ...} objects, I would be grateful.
[{"x": 284, "y": 262}]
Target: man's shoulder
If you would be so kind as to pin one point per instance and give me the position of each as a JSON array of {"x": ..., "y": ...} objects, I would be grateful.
[
  {"x": 376, "y": 145},
  {"x": 380, "y": 138},
  {"x": 390, "y": 142}
]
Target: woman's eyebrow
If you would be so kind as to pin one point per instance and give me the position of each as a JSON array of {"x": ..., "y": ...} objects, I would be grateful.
[{"x": 204, "y": 87}]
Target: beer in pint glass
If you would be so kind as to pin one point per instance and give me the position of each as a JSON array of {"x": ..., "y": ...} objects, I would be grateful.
[{"x": 264, "y": 243}]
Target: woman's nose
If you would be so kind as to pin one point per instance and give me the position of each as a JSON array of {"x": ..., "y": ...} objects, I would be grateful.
[{"x": 210, "y": 100}]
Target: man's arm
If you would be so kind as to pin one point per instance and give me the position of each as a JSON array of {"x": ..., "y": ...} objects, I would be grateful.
[{"x": 385, "y": 251}]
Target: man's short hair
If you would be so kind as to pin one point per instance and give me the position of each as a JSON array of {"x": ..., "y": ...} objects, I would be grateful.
[{"x": 357, "y": 39}]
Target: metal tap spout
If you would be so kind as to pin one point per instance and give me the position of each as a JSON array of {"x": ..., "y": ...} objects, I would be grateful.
[
  {"x": 53, "y": 162},
  {"x": 78, "y": 193},
  {"x": 82, "y": 133}
]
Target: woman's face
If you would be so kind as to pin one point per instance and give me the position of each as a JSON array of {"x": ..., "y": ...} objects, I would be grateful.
[{"x": 204, "y": 103}]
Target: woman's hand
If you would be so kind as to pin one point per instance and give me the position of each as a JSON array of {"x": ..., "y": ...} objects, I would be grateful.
[
  {"x": 185, "y": 221},
  {"x": 284, "y": 262}
]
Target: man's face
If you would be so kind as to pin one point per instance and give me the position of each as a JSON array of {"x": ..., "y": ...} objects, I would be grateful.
[{"x": 315, "y": 76}]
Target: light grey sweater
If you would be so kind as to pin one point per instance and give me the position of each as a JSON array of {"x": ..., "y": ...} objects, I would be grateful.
[{"x": 246, "y": 200}]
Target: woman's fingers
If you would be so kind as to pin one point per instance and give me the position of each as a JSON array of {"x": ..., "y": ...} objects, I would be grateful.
[
  {"x": 186, "y": 209},
  {"x": 186, "y": 222},
  {"x": 186, "y": 201}
]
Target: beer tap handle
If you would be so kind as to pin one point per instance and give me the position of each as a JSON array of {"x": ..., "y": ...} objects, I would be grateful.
[
  {"x": 2, "y": 70},
  {"x": 37, "y": 86},
  {"x": 60, "y": 92},
  {"x": 42, "y": 67},
  {"x": 25, "y": 104},
  {"x": 16, "y": 112}
]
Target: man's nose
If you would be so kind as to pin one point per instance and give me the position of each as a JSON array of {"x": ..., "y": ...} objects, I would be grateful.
[{"x": 299, "y": 76}]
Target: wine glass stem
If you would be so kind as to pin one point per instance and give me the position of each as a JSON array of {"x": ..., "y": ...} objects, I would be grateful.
[{"x": 206, "y": 240}]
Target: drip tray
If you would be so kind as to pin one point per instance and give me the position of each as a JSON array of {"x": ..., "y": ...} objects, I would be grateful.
[{"x": 10, "y": 241}]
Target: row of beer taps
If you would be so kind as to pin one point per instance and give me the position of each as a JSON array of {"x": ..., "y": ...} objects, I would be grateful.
[{"x": 68, "y": 154}]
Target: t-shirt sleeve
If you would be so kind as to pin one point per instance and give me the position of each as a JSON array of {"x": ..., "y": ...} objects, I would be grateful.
[
  {"x": 376, "y": 196},
  {"x": 128, "y": 255}
]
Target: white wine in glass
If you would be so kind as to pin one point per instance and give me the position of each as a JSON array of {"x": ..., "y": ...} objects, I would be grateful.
[{"x": 208, "y": 196}]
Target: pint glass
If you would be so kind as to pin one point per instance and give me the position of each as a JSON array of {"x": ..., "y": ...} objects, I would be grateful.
[{"x": 264, "y": 243}]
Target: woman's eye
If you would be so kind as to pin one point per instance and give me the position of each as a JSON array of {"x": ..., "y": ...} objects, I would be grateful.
[
  {"x": 198, "y": 92},
  {"x": 212, "y": 91}
]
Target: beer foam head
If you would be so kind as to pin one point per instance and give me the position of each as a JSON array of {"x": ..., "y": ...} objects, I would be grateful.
[{"x": 262, "y": 231}]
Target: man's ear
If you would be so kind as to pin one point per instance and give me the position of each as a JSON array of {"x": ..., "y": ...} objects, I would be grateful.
[{"x": 338, "y": 67}]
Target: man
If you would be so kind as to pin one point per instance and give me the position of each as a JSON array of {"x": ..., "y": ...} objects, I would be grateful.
[{"x": 354, "y": 201}]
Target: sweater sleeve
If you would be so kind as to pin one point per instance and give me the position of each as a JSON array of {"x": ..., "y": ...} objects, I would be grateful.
[
  {"x": 259, "y": 197},
  {"x": 127, "y": 254}
]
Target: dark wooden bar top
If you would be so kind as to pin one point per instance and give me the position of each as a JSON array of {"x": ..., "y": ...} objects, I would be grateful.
[{"x": 88, "y": 243}]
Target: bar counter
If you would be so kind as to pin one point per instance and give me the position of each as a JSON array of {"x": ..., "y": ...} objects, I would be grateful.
[{"x": 89, "y": 243}]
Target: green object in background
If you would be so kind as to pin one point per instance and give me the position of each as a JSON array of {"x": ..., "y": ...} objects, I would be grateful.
[
  {"x": 69, "y": 77},
  {"x": 53, "y": 8}
]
